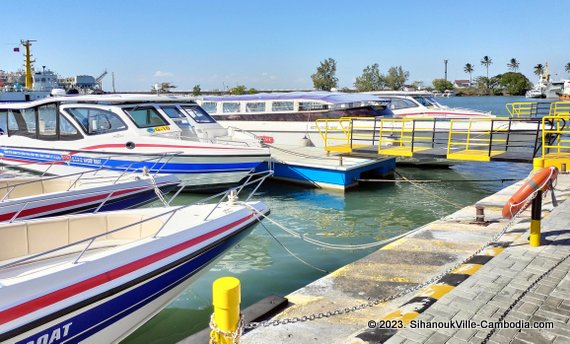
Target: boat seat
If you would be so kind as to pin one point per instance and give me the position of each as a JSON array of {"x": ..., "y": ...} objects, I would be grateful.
[
  {"x": 22, "y": 239},
  {"x": 56, "y": 185},
  {"x": 25, "y": 190}
]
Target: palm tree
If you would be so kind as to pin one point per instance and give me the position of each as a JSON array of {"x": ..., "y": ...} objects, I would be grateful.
[
  {"x": 539, "y": 69},
  {"x": 567, "y": 67},
  {"x": 513, "y": 65},
  {"x": 486, "y": 61},
  {"x": 469, "y": 69}
]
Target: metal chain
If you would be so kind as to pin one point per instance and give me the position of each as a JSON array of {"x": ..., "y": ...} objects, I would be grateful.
[
  {"x": 521, "y": 296},
  {"x": 234, "y": 335},
  {"x": 377, "y": 301}
]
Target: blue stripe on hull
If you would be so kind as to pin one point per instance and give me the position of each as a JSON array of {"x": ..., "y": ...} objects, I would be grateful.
[
  {"x": 121, "y": 165},
  {"x": 98, "y": 318}
]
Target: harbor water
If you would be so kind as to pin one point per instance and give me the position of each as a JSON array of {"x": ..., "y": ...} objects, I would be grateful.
[{"x": 374, "y": 211}]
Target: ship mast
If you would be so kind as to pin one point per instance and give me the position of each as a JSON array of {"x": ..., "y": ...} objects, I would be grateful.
[{"x": 28, "y": 63}]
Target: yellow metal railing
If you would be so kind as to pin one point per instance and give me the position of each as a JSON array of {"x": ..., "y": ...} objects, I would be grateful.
[
  {"x": 521, "y": 109},
  {"x": 473, "y": 139},
  {"x": 338, "y": 134},
  {"x": 560, "y": 127},
  {"x": 397, "y": 136},
  {"x": 561, "y": 108}
]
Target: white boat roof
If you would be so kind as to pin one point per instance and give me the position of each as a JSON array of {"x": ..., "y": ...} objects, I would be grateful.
[
  {"x": 401, "y": 93},
  {"x": 115, "y": 99},
  {"x": 328, "y": 97}
]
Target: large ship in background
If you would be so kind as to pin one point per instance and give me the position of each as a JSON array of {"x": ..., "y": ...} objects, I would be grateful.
[{"x": 31, "y": 84}]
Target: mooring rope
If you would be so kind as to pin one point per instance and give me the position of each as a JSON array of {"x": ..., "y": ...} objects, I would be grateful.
[
  {"x": 331, "y": 245},
  {"x": 458, "y": 206}
]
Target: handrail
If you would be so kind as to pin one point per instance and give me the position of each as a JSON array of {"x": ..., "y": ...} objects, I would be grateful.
[
  {"x": 560, "y": 128},
  {"x": 259, "y": 181},
  {"x": 81, "y": 174},
  {"x": 15, "y": 217}
]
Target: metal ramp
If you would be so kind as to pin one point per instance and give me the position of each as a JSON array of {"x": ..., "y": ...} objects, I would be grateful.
[
  {"x": 489, "y": 139},
  {"x": 538, "y": 109},
  {"x": 556, "y": 141}
]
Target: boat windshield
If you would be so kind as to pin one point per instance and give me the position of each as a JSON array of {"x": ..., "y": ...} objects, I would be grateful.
[
  {"x": 145, "y": 117},
  {"x": 97, "y": 121},
  {"x": 198, "y": 114},
  {"x": 428, "y": 101},
  {"x": 177, "y": 116}
]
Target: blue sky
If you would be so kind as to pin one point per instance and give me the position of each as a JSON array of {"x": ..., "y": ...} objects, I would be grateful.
[{"x": 279, "y": 44}]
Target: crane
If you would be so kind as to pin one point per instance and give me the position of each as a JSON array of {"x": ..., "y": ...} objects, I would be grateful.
[{"x": 99, "y": 79}]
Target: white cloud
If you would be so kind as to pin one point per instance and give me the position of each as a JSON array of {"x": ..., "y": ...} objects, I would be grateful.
[{"x": 161, "y": 74}]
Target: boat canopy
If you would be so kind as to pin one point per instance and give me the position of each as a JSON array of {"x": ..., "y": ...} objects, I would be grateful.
[{"x": 328, "y": 97}]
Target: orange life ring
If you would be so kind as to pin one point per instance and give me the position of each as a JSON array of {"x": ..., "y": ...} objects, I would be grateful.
[{"x": 541, "y": 180}]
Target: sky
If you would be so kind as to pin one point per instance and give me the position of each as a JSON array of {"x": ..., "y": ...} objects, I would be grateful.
[{"x": 278, "y": 44}]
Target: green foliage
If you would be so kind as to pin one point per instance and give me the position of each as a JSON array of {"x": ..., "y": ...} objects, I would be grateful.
[
  {"x": 196, "y": 90},
  {"x": 487, "y": 61},
  {"x": 396, "y": 78},
  {"x": 487, "y": 85},
  {"x": 240, "y": 89},
  {"x": 513, "y": 65},
  {"x": 539, "y": 69},
  {"x": 514, "y": 84},
  {"x": 252, "y": 91},
  {"x": 370, "y": 80},
  {"x": 325, "y": 78},
  {"x": 441, "y": 85}
]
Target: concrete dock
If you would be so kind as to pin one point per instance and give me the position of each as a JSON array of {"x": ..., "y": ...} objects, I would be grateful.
[{"x": 475, "y": 283}]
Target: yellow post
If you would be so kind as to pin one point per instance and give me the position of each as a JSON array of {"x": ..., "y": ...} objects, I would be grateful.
[
  {"x": 537, "y": 164},
  {"x": 536, "y": 214},
  {"x": 226, "y": 298}
]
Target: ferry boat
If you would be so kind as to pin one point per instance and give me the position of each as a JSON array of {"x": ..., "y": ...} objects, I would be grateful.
[
  {"x": 422, "y": 104},
  {"x": 124, "y": 132},
  {"x": 289, "y": 118},
  {"x": 97, "y": 277},
  {"x": 30, "y": 197}
]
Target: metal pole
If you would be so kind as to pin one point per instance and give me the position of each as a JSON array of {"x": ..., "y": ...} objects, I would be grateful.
[{"x": 226, "y": 297}]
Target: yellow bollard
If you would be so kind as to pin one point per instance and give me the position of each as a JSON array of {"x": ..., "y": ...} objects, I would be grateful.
[
  {"x": 226, "y": 298},
  {"x": 537, "y": 164},
  {"x": 535, "y": 216}
]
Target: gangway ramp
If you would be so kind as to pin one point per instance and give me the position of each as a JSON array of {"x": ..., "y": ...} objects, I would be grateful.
[{"x": 487, "y": 139}]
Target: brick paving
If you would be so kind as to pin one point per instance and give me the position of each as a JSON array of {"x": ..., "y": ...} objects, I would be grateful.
[{"x": 487, "y": 295}]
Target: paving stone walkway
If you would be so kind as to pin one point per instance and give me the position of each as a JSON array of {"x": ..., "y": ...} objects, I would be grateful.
[{"x": 512, "y": 286}]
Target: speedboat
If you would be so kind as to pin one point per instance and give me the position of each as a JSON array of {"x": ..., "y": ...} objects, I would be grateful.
[
  {"x": 39, "y": 196},
  {"x": 422, "y": 104},
  {"x": 96, "y": 277},
  {"x": 123, "y": 132},
  {"x": 289, "y": 118}
]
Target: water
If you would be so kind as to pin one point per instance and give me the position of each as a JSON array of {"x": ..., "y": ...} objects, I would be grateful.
[{"x": 374, "y": 212}]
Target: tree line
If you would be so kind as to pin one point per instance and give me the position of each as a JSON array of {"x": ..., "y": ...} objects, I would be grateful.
[{"x": 371, "y": 79}]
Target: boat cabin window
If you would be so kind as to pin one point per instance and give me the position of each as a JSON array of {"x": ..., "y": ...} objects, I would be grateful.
[
  {"x": 47, "y": 120},
  {"x": 198, "y": 114},
  {"x": 305, "y": 106},
  {"x": 29, "y": 129},
  {"x": 424, "y": 101},
  {"x": 177, "y": 116},
  {"x": 230, "y": 107},
  {"x": 282, "y": 106},
  {"x": 3, "y": 122},
  {"x": 67, "y": 132},
  {"x": 397, "y": 104},
  {"x": 97, "y": 121},
  {"x": 255, "y": 107},
  {"x": 146, "y": 117},
  {"x": 210, "y": 107}
]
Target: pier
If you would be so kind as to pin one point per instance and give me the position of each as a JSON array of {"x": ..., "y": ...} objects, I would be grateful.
[
  {"x": 461, "y": 267},
  {"x": 313, "y": 167}
]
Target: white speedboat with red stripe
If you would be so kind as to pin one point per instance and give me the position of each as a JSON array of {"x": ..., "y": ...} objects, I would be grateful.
[
  {"x": 422, "y": 104},
  {"x": 121, "y": 133},
  {"x": 36, "y": 196},
  {"x": 96, "y": 277}
]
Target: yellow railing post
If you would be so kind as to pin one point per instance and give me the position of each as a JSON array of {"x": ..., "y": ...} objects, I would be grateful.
[{"x": 226, "y": 298}]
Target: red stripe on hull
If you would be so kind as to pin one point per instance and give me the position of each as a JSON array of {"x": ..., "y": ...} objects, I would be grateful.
[{"x": 95, "y": 281}]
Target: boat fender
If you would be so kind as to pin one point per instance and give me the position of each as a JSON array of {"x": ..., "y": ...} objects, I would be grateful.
[
  {"x": 130, "y": 145},
  {"x": 542, "y": 180}
]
